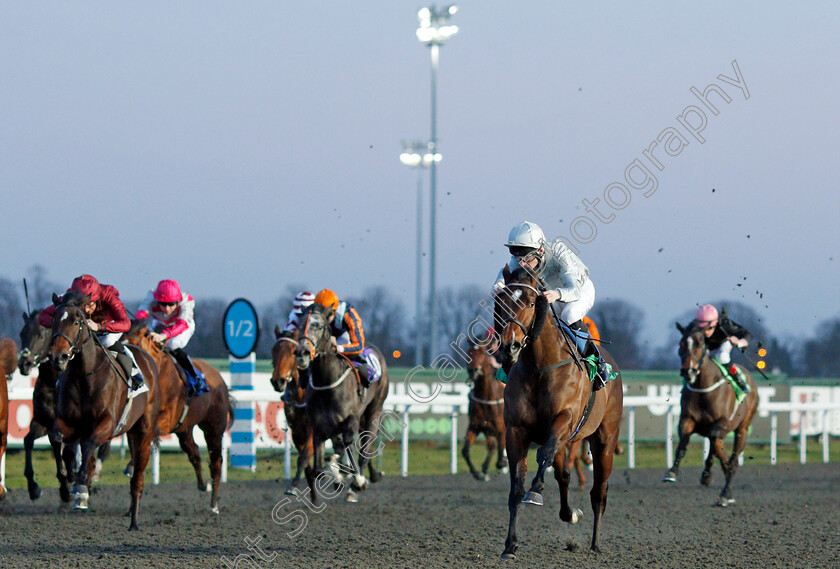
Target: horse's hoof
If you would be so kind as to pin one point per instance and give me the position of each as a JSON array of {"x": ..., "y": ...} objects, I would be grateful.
[
  {"x": 477, "y": 476},
  {"x": 207, "y": 487},
  {"x": 533, "y": 498},
  {"x": 669, "y": 477},
  {"x": 215, "y": 509},
  {"x": 724, "y": 502},
  {"x": 486, "y": 477},
  {"x": 3, "y": 493},
  {"x": 505, "y": 470},
  {"x": 352, "y": 497},
  {"x": 507, "y": 555},
  {"x": 577, "y": 515},
  {"x": 705, "y": 478},
  {"x": 81, "y": 502},
  {"x": 289, "y": 492},
  {"x": 128, "y": 472},
  {"x": 35, "y": 493}
]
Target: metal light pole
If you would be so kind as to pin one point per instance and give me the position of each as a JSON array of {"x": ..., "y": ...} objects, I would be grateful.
[
  {"x": 415, "y": 155},
  {"x": 434, "y": 30}
]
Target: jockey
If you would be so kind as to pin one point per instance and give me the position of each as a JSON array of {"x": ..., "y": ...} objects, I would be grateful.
[
  {"x": 565, "y": 280},
  {"x": 347, "y": 332},
  {"x": 171, "y": 324},
  {"x": 302, "y": 300},
  {"x": 721, "y": 334},
  {"x": 106, "y": 316}
]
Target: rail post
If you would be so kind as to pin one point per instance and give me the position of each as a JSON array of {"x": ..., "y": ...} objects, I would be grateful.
[
  {"x": 404, "y": 444},
  {"x": 631, "y": 438},
  {"x": 453, "y": 455}
]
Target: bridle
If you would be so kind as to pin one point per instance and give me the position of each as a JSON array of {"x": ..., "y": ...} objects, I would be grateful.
[
  {"x": 287, "y": 378},
  {"x": 313, "y": 351},
  {"x": 684, "y": 371},
  {"x": 75, "y": 344},
  {"x": 525, "y": 330}
]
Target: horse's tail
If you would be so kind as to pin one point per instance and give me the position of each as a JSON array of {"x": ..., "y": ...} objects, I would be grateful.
[
  {"x": 8, "y": 356},
  {"x": 231, "y": 407}
]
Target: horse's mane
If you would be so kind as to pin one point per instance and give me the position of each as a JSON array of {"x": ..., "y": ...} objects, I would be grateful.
[
  {"x": 75, "y": 298},
  {"x": 137, "y": 325},
  {"x": 288, "y": 334},
  {"x": 8, "y": 356}
]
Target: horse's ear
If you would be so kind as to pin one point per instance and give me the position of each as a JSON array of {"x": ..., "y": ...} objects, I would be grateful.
[
  {"x": 680, "y": 328},
  {"x": 277, "y": 331},
  {"x": 506, "y": 273},
  {"x": 56, "y": 299}
]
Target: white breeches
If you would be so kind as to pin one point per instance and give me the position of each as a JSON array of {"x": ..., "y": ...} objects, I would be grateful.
[
  {"x": 571, "y": 312},
  {"x": 722, "y": 353},
  {"x": 108, "y": 339}
]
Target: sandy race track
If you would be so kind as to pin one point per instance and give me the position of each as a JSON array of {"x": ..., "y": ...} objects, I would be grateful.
[{"x": 785, "y": 516}]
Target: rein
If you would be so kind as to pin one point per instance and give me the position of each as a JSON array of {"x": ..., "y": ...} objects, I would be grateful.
[
  {"x": 472, "y": 397},
  {"x": 334, "y": 384}
]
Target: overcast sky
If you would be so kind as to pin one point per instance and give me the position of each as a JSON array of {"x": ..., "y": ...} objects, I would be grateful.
[{"x": 242, "y": 146}]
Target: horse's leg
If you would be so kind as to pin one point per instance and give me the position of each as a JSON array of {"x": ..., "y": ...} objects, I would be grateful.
[
  {"x": 557, "y": 438},
  {"x": 213, "y": 435},
  {"x": 501, "y": 459},
  {"x": 686, "y": 428},
  {"x": 603, "y": 450},
  {"x": 737, "y": 448},
  {"x": 312, "y": 472},
  {"x": 36, "y": 431},
  {"x": 563, "y": 475},
  {"x": 305, "y": 452},
  {"x": 102, "y": 454},
  {"x": 187, "y": 443},
  {"x": 706, "y": 475},
  {"x": 517, "y": 452},
  {"x": 65, "y": 456},
  {"x": 469, "y": 439},
  {"x": 574, "y": 459},
  {"x": 491, "y": 449},
  {"x": 88, "y": 447},
  {"x": 141, "y": 435}
]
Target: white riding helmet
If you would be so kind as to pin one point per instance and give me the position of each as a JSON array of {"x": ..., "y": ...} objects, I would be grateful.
[{"x": 526, "y": 234}]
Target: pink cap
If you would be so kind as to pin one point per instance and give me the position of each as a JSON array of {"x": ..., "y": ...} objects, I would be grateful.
[
  {"x": 168, "y": 291},
  {"x": 707, "y": 315}
]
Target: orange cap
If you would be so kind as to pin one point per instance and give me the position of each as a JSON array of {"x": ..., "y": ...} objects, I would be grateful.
[{"x": 327, "y": 298}]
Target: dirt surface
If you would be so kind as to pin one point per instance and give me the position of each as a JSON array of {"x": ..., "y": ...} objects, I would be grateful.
[{"x": 785, "y": 516}]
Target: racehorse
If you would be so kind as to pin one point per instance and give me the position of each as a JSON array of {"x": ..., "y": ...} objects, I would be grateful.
[
  {"x": 549, "y": 401},
  {"x": 8, "y": 360},
  {"x": 334, "y": 406},
  {"x": 93, "y": 403},
  {"x": 486, "y": 411},
  {"x": 708, "y": 407},
  {"x": 179, "y": 413},
  {"x": 284, "y": 379},
  {"x": 35, "y": 352}
]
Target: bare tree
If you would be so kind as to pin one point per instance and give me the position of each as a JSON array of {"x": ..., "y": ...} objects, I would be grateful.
[
  {"x": 383, "y": 318},
  {"x": 11, "y": 309},
  {"x": 619, "y": 323},
  {"x": 457, "y": 308},
  {"x": 820, "y": 353}
]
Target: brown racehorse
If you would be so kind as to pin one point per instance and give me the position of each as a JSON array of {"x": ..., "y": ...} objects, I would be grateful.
[
  {"x": 35, "y": 343},
  {"x": 486, "y": 411},
  {"x": 93, "y": 397},
  {"x": 709, "y": 408},
  {"x": 334, "y": 406},
  {"x": 546, "y": 400},
  {"x": 8, "y": 361},
  {"x": 211, "y": 411},
  {"x": 284, "y": 379}
]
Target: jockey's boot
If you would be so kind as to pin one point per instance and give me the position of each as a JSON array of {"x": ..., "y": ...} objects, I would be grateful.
[
  {"x": 590, "y": 348},
  {"x": 362, "y": 369},
  {"x": 199, "y": 383},
  {"x": 126, "y": 360},
  {"x": 741, "y": 382}
]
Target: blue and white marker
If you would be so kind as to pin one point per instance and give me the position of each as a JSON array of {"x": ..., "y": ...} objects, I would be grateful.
[{"x": 241, "y": 333}]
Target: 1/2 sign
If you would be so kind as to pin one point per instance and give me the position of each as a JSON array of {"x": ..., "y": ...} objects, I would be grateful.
[{"x": 241, "y": 328}]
